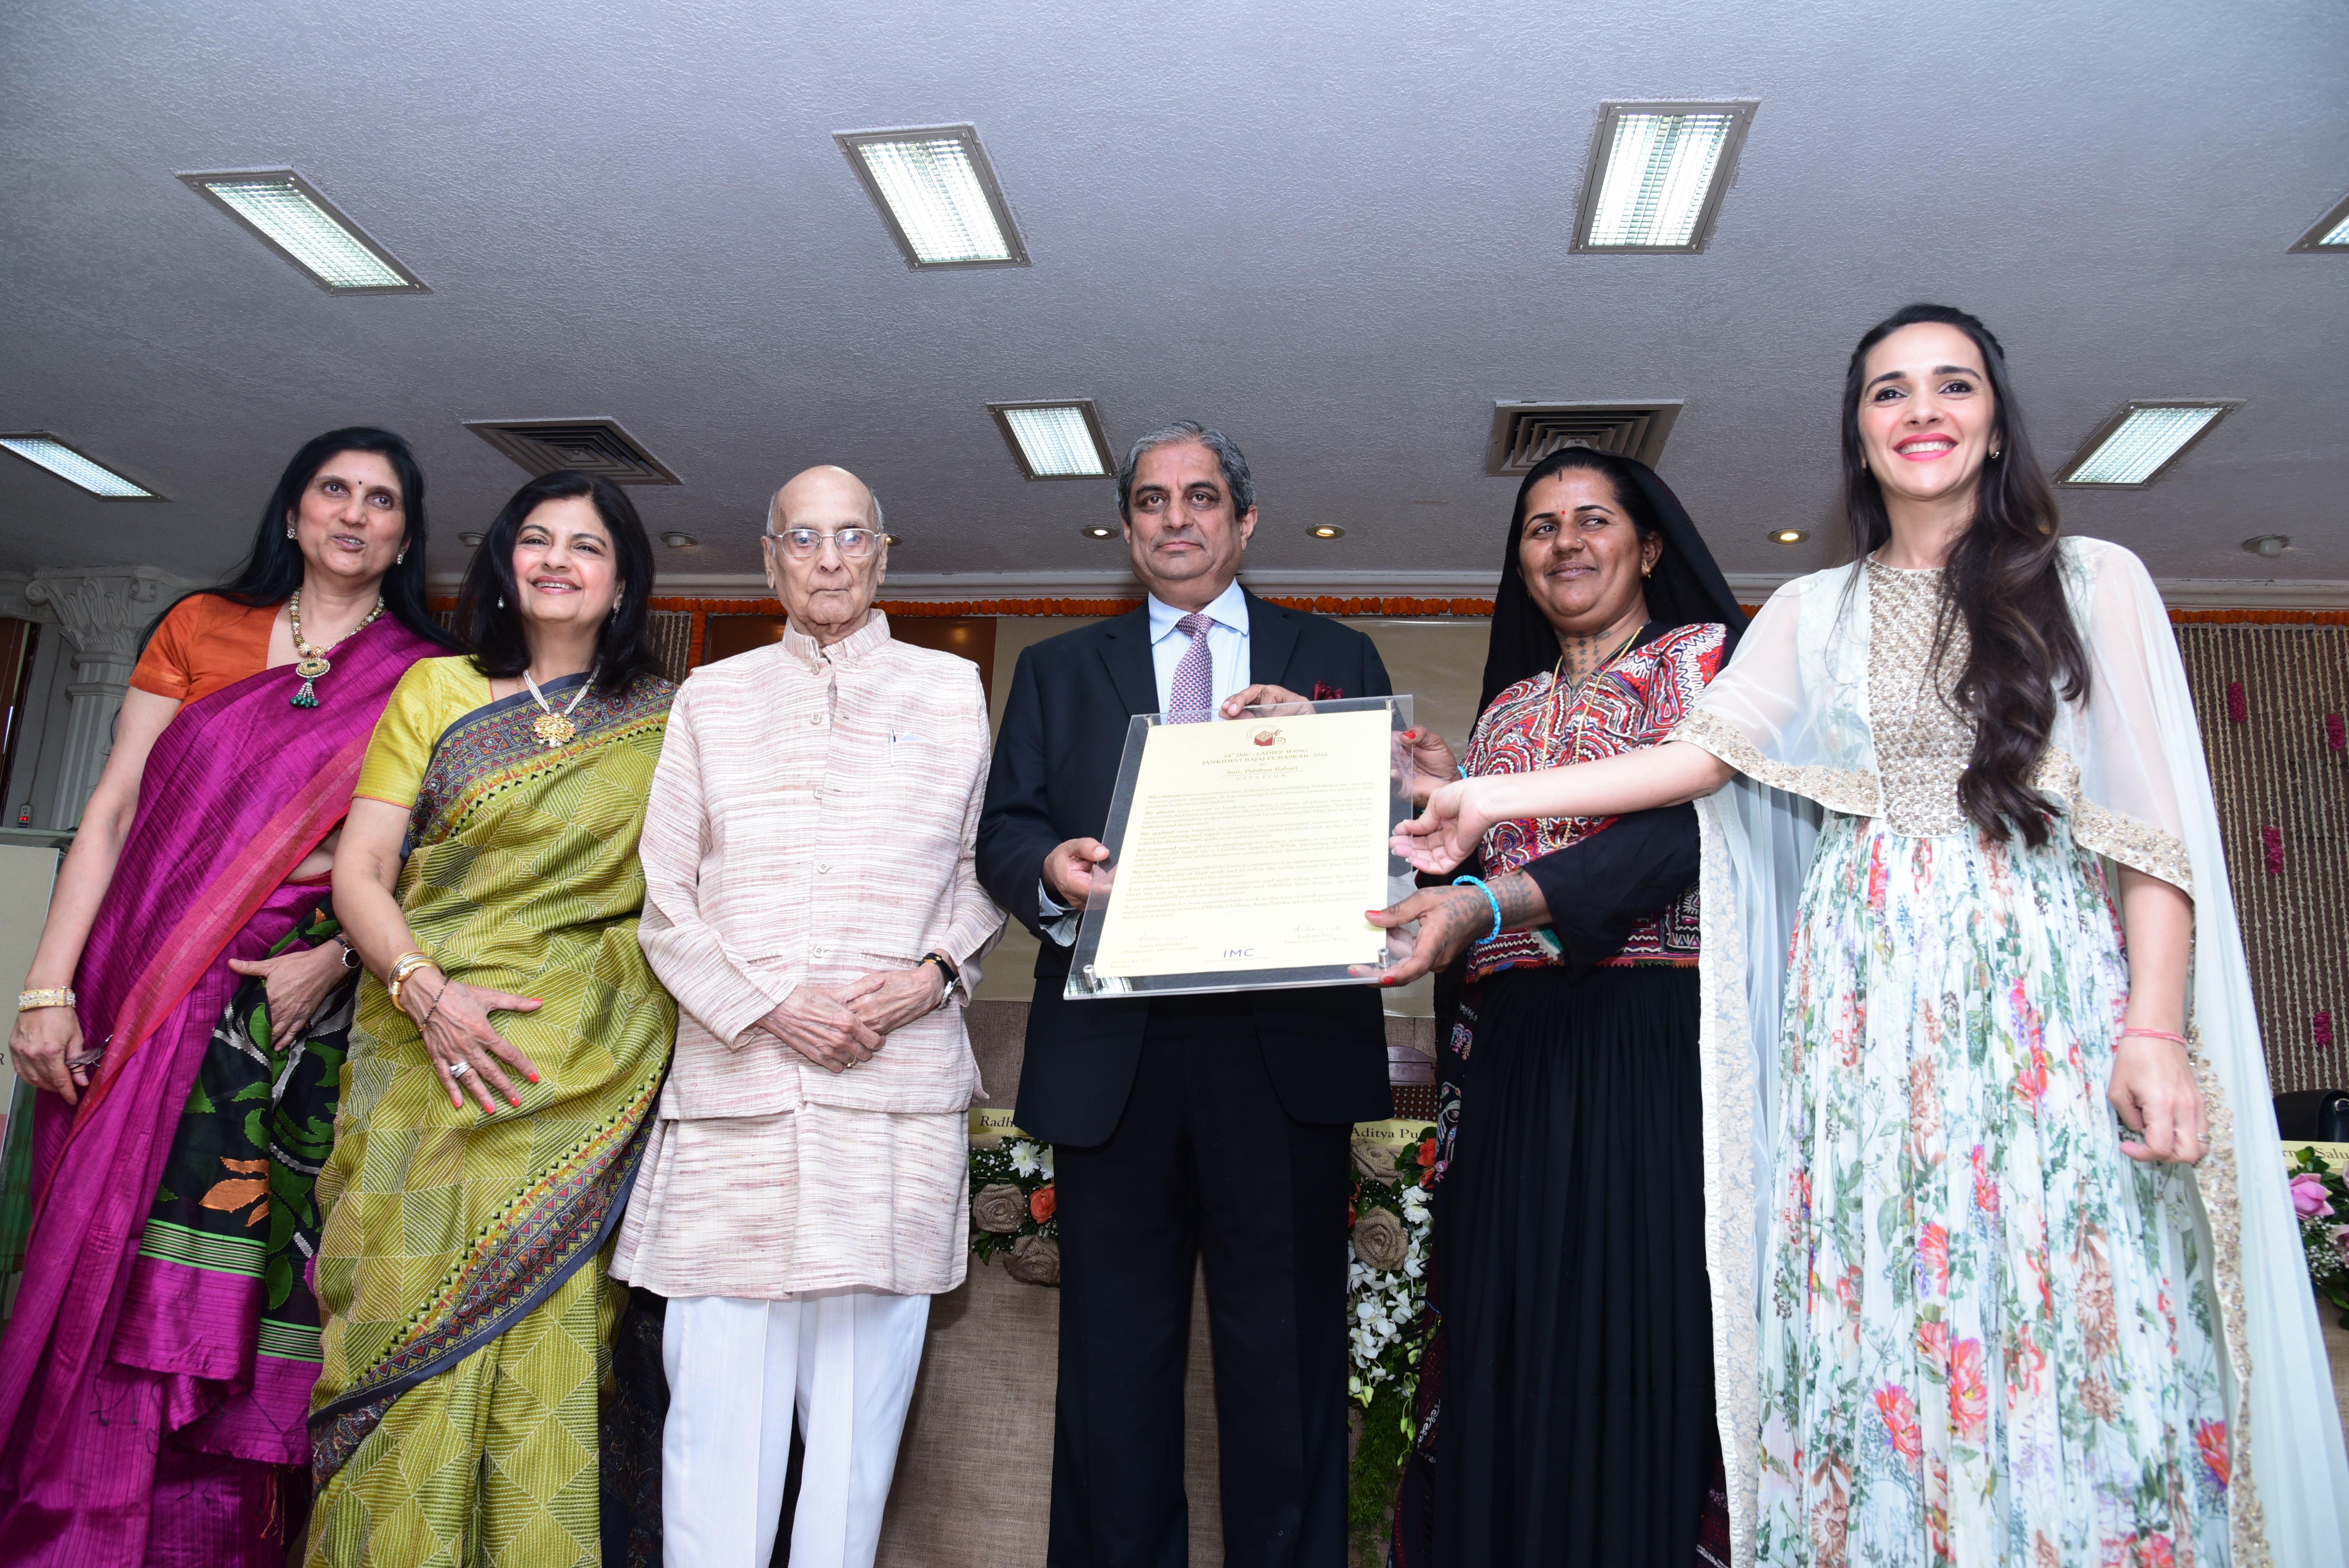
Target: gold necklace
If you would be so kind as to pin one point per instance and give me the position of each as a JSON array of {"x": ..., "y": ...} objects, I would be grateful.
[
  {"x": 552, "y": 727},
  {"x": 312, "y": 663}
]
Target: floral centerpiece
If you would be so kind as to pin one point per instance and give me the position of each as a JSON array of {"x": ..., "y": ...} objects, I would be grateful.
[
  {"x": 1386, "y": 1300},
  {"x": 1012, "y": 1201},
  {"x": 2320, "y": 1199}
]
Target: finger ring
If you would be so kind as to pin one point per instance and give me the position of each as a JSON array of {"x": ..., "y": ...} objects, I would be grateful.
[{"x": 459, "y": 1070}]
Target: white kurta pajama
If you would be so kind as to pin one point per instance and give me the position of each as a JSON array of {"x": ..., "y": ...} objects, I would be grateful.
[{"x": 812, "y": 820}]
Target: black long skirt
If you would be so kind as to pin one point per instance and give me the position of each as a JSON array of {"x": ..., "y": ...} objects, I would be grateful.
[{"x": 1577, "y": 1419}]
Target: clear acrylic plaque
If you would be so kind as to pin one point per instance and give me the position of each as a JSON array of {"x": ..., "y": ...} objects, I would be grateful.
[{"x": 1250, "y": 849}]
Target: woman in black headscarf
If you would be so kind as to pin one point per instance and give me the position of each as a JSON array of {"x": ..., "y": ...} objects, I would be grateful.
[{"x": 1575, "y": 1407}]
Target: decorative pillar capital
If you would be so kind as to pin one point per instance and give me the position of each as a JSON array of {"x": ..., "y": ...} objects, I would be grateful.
[{"x": 101, "y": 613}]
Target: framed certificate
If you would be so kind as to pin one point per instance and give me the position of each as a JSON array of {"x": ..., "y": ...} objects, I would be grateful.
[{"x": 1243, "y": 852}]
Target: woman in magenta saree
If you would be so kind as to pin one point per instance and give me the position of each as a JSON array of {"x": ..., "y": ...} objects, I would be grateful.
[{"x": 155, "y": 1374}]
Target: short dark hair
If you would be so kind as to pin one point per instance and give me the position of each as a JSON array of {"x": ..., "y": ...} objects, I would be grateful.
[
  {"x": 273, "y": 568},
  {"x": 1227, "y": 454},
  {"x": 489, "y": 622}
]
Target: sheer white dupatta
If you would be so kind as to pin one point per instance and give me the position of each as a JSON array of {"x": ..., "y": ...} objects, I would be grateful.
[{"x": 1790, "y": 714}]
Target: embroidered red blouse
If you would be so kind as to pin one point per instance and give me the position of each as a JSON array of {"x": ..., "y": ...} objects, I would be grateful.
[{"x": 1629, "y": 704}]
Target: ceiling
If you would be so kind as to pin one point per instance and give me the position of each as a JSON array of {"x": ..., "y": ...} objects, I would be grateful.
[{"x": 1339, "y": 231}]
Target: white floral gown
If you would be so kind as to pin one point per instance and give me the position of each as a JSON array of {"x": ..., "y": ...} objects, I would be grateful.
[{"x": 1986, "y": 1336}]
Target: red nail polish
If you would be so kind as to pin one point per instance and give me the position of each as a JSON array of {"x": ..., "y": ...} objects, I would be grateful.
[
  {"x": 514, "y": 1101},
  {"x": 533, "y": 1077}
]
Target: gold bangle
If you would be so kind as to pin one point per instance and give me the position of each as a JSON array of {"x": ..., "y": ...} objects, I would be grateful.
[
  {"x": 406, "y": 964},
  {"x": 47, "y": 996}
]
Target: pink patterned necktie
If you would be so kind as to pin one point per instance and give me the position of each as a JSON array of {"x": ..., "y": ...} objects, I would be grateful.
[{"x": 1191, "y": 696}]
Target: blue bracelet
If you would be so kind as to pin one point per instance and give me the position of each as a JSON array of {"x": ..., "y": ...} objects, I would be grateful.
[{"x": 1491, "y": 897}]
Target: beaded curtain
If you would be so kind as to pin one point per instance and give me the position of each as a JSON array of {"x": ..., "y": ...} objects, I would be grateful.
[{"x": 2271, "y": 701}]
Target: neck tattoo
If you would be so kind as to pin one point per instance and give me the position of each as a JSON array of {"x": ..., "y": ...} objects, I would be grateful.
[{"x": 1579, "y": 658}]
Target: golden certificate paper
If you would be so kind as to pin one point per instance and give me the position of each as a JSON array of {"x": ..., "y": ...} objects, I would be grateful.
[{"x": 1252, "y": 844}]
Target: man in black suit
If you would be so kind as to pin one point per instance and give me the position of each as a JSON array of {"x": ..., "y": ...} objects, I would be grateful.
[{"x": 1184, "y": 1126}]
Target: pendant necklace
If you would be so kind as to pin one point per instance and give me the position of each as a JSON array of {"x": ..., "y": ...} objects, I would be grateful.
[
  {"x": 311, "y": 663},
  {"x": 552, "y": 727}
]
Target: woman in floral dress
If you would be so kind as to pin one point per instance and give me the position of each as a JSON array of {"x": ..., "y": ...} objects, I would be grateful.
[{"x": 2013, "y": 1233}]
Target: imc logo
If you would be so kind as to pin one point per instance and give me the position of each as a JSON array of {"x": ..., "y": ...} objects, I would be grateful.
[
  {"x": 1270, "y": 736},
  {"x": 1240, "y": 953}
]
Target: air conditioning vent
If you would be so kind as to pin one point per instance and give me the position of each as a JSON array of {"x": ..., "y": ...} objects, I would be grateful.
[
  {"x": 597, "y": 447},
  {"x": 1526, "y": 433}
]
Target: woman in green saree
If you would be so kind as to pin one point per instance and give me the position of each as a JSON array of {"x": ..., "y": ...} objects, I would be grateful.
[{"x": 489, "y": 870}]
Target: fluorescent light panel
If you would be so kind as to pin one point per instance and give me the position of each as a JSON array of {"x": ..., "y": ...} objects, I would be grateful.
[
  {"x": 937, "y": 193},
  {"x": 70, "y": 466},
  {"x": 293, "y": 219},
  {"x": 2331, "y": 231},
  {"x": 1657, "y": 175},
  {"x": 1060, "y": 440},
  {"x": 2142, "y": 441}
]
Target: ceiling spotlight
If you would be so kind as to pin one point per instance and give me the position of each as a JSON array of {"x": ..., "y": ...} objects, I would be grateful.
[
  {"x": 677, "y": 539},
  {"x": 2331, "y": 233},
  {"x": 1657, "y": 174},
  {"x": 1095, "y": 530},
  {"x": 1060, "y": 439},
  {"x": 891, "y": 538},
  {"x": 289, "y": 216},
  {"x": 2137, "y": 445},
  {"x": 2269, "y": 545},
  {"x": 937, "y": 193},
  {"x": 1327, "y": 531},
  {"x": 471, "y": 541},
  {"x": 46, "y": 451},
  {"x": 1789, "y": 535}
]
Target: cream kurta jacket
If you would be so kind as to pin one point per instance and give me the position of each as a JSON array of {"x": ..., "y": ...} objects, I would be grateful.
[{"x": 813, "y": 819}]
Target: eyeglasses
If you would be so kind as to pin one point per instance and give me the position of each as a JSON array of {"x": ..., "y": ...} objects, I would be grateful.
[{"x": 801, "y": 543}]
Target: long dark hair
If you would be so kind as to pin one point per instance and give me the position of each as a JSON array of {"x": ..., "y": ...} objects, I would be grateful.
[
  {"x": 2004, "y": 581},
  {"x": 273, "y": 568},
  {"x": 490, "y": 622},
  {"x": 1687, "y": 587}
]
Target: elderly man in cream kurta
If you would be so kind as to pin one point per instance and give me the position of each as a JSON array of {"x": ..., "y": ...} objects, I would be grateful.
[{"x": 810, "y": 898}]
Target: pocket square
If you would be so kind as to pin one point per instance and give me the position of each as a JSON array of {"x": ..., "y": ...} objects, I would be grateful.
[{"x": 1324, "y": 692}]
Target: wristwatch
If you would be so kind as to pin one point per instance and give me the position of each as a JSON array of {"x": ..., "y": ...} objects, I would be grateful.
[
  {"x": 350, "y": 954},
  {"x": 946, "y": 968}
]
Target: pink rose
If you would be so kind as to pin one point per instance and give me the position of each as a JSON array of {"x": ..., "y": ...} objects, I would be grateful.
[
  {"x": 2308, "y": 1197},
  {"x": 2341, "y": 1242}
]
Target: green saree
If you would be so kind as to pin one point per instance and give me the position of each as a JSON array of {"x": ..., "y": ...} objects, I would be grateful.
[{"x": 463, "y": 1267}]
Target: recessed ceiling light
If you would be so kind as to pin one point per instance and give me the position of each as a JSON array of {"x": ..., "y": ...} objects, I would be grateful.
[
  {"x": 2331, "y": 232},
  {"x": 1789, "y": 535},
  {"x": 892, "y": 539},
  {"x": 293, "y": 220},
  {"x": 46, "y": 451},
  {"x": 1059, "y": 440},
  {"x": 937, "y": 191},
  {"x": 1327, "y": 531},
  {"x": 2269, "y": 545},
  {"x": 471, "y": 541},
  {"x": 1095, "y": 530},
  {"x": 675, "y": 540},
  {"x": 2137, "y": 445},
  {"x": 1657, "y": 174}
]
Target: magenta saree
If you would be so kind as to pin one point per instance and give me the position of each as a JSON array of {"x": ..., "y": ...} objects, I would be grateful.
[{"x": 138, "y": 1367}]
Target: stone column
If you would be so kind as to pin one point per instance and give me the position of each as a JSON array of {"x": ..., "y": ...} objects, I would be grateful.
[{"x": 100, "y": 614}]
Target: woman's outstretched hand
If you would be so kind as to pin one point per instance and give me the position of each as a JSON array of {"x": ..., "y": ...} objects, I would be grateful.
[
  {"x": 1447, "y": 831},
  {"x": 1450, "y": 918},
  {"x": 1433, "y": 764}
]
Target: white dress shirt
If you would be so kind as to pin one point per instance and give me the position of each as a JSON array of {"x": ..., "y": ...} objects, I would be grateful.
[
  {"x": 1227, "y": 648},
  {"x": 1227, "y": 645}
]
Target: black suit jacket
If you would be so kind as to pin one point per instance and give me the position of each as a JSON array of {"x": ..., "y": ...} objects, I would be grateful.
[{"x": 1056, "y": 760}]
